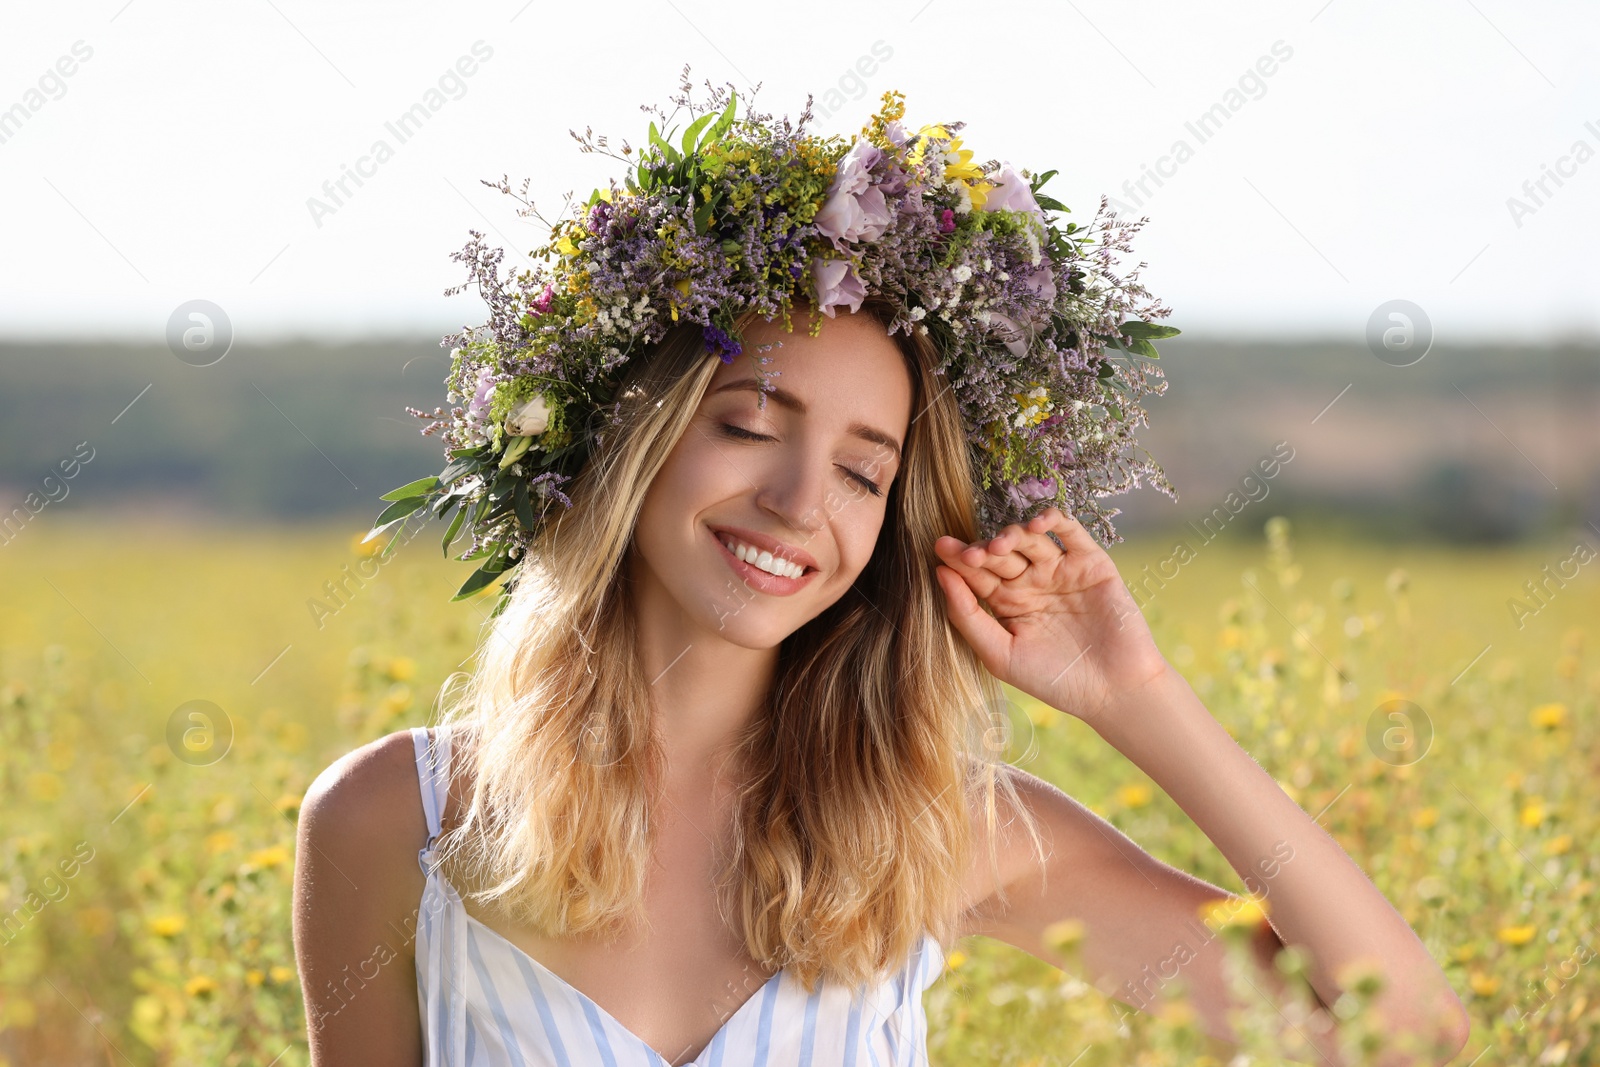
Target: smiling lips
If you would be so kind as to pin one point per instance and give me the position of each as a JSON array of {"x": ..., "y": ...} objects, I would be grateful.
[{"x": 764, "y": 563}]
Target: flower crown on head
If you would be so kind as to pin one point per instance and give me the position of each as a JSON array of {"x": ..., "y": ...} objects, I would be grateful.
[{"x": 743, "y": 214}]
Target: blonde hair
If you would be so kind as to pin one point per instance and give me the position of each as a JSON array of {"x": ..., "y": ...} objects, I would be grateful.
[{"x": 852, "y": 813}]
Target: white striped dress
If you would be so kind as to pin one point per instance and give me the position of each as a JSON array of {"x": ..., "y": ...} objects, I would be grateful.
[{"x": 486, "y": 1003}]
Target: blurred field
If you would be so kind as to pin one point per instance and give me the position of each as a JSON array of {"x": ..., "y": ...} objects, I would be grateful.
[{"x": 145, "y": 900}]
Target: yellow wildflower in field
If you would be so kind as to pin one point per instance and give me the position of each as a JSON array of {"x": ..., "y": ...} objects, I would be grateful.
[
  {"x": 282, "y": 974},
  {"x": 275, "y": 856},
  {"x": 199, "y": 986},
  {"x": 401, "y": 668},
  {"x": 1425, "y": 818},
  {"x": 288, "y": 803},
  {"x": 1233, "y": 911},
  {"x": 44, "y": 786},
  {"x": 1064, "y": 934},
  {"x": 1516, "y": 935},
  {"x": 1532, "y": 812},
  {"x": 1558, "y": 846},
  {"x": 253, "y": 977},
  {"x": 167, "y": 925},
  {"x": 956, "y": 959},
  {"x": 1133, "y": 796},
  {"x": 221, "y": 841},
  {"x": 1231, "y": 637},
  {"x": 1549, "y": 716},
  {"x": 1483, "y": 985}
]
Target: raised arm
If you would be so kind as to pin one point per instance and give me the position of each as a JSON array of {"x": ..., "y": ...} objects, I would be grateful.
[{"x": 1065, "y": 630}]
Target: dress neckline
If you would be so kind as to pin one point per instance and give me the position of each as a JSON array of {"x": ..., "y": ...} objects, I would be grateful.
[{"x": 588, "y": 1001}]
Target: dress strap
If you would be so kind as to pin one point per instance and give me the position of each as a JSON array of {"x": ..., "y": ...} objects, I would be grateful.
[{"x": 432, "y": 753}]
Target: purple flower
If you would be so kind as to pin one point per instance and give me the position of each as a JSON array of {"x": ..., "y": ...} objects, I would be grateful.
[
  {"x": 837, "y": 284},
  {"x": 1024, "y": 494},
  {"x": 947, "y": 220},
  {"x": 720, "y": 344},
  {"x": 541, "y": 303},
  {"x": 478, "y": 408},
  {"x": 1011, "y": 193},
  {"x": 1041, "y": 281},
  {"x": 855, "y": 209}
]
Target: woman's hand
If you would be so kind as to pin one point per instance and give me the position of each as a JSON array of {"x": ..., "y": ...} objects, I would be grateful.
[{"x": 1065, "y": 629}]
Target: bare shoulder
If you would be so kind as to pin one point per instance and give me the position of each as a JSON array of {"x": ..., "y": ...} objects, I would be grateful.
[{"x": 357, "y": 894}]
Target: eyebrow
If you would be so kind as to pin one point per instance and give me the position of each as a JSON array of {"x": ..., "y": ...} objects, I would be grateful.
[{"x": 793, "y": 403}]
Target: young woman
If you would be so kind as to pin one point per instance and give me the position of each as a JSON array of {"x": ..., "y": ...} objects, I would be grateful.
[{"x": 725, "y": 786}]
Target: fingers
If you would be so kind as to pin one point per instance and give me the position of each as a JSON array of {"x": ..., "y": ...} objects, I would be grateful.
[{"x": 1072, "y": 533}]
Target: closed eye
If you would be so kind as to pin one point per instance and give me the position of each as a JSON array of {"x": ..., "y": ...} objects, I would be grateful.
[{"x": 742, "y": 434}]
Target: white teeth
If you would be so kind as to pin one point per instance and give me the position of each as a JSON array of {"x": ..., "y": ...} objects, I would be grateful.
[{"x": 763, "y": 559}]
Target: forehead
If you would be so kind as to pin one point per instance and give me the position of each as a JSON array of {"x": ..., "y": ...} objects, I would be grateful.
[{"x": 852, "y": 365}]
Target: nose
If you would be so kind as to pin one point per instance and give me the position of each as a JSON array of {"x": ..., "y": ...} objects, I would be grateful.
[{"x": 794, "y": 490}]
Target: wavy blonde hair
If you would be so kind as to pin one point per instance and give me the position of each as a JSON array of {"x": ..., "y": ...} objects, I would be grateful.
[{"x": 852, "y": 821}]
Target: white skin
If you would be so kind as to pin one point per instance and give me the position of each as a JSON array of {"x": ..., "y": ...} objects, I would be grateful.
[{"x": 708, "y": 640}]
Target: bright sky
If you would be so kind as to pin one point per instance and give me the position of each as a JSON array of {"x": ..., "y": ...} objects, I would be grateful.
[{"x": 154, "y": 152}]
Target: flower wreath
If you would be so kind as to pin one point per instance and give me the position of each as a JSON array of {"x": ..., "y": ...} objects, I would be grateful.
[{"x": 743, "y": 213}]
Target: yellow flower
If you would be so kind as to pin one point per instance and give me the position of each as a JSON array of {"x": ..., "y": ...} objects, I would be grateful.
[
  {"x": 288, "y": 803},
  {"x": 275, "y": 856},
  {"x": 1134, "y": 796},
  {"x": 282, "y": 974},
  {"x": 221, "y": 841},
  {"x": 1483, "y": 985},
  {"x": 957, "y": 958},
  {"x": 167, "y": 925},
  {"x": 1063, "y": 935},
  {"x": 682, "y": 285},
  {"x": 1558, "y": 846},
  {"x": 1549, "y": 716},
  {"x": 1232, "y": 637},
  {"x": 1464, "y": 953},
  {"x": 44, "y": 786},
  {"x": 401, "y": 668},
  {"x": 253, "y": 977},
  {"x": 1233, "y": 911},
  {"x": 1516, "y": 935},
  {"x": 1426, "y": 818},
  {"x": 1532, "y": 812},
  {"x": 199, "y": 986}
]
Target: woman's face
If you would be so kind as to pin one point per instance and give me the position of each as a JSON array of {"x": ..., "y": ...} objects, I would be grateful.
[{"x": 806, "y": 478}]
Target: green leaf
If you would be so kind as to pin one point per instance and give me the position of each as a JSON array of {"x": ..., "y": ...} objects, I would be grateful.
[
  {"x": 1107, "y": 369},
  {"x": 693, "y": 132},
  {"x": 455, "y": 528},
  {"x": 1148, "y": 331},
  {"x": 1050, "y": 203},
  {"x": 519, "y": 498},
  {"x": 702, "y": 219},
  {"x": 481, "y": 577},
  {"x": 724, "y": 120},
  {"x": 399, "y": 510},
  {"x": 416, "y": 488},
  {"x": 1039, "y": 180},
  {"x": 1140, "y": 346}
]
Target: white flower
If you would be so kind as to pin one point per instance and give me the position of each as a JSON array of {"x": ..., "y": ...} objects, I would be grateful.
[
  {"x": 961, "y": 273},
  {"x": 529, "y": 418}
]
